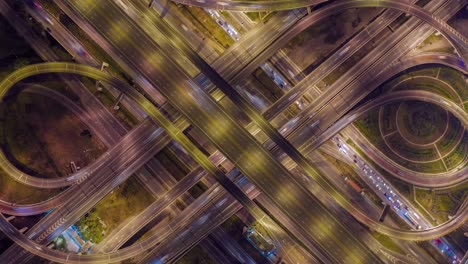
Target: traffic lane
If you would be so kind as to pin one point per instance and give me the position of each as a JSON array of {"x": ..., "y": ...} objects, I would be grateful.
[
  {"x": 88, "y": 172},
  {"x": 252, "y": 6},
  {"x": 335, "y": 60},
  {"x": 198, "y": 97},
  {"x": 247, "y": 48},
  {"x": 355, "y": 92}
]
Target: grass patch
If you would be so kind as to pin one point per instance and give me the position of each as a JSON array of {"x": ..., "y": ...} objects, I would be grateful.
[
  {"x": 444, "y": 203},
  {"x": 387, "y": 242},
  {"x": 205, "y": 24},
  {"x": 441, "y": 204},
  {"x": 452, "y": 136},
  {"x": 128, "y": 199},
  {"x": 232, "y": 21},
  {"x": 387, "y": 120},
  {"x": 456, "y": 81},
  {"x": 368, "y": 124},
  {"x": 457, "y": 156},
  {"x": 424, "y": 197},
  {"x": 15, "y": 192},
  {"x": 427, "y": 84},
  {"x": 259, "y": 16},
  {"x": 410, "y": 152}
]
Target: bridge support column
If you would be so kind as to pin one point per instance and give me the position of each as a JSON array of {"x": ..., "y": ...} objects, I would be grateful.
[
  {"x": 103, "y": 66},
  {"x": 384, "y": 213},
  {"x": 116, "y": 104}
]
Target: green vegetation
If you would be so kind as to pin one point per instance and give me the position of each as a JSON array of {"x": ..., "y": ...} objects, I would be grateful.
[
  {"x": 441, "y": 203},
  {"x": 439, "y": 42},
  {"x": 387, "y": 242},
  {"x": 127, "y": 200},
  {"x": 400, "y": 146},
  {"x": 60, "y": 244},
  {"x": 232, "y": 21},
  {"x": 444, "y": 203},
  {"x": 368, "y": 124},
  {"x": 457, "y": 156},
  {"x": 205, "y": 24},
  {"x": 196, "y": 255},
  {"x": 387, "y": 118},
  {"x": 456, "y": 80},
  {"x": 427, "y": 84},
  {"x": 452, "y": 137},
  {"x": 259, "y": 16},
  {"x": 421, "y": 122},
  {"x": 18, "y": 193}
]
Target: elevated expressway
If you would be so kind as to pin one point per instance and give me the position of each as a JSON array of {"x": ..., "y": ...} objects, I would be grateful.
[
  {"x": 198, "y": 97},
  {"x": 43, "y": 251},
  {"x": 250, "y": 5},
  {"x": 390, "y": 48},
  {"x": 427, "y": 180},
  {"x": 457, "y": 40},
  {"x": 200, "y": 110}
]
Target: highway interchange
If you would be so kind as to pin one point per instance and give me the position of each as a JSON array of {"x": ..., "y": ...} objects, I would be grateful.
[{"x": 193, "y": 102}]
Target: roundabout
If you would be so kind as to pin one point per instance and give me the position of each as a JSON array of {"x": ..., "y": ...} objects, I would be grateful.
[{"x": 421, "y": 123}]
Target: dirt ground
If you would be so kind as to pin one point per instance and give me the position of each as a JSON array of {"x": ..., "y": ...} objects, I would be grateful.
[
  {"x": 319, "y": 40},
  {"x": 42, "y": 137}
]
